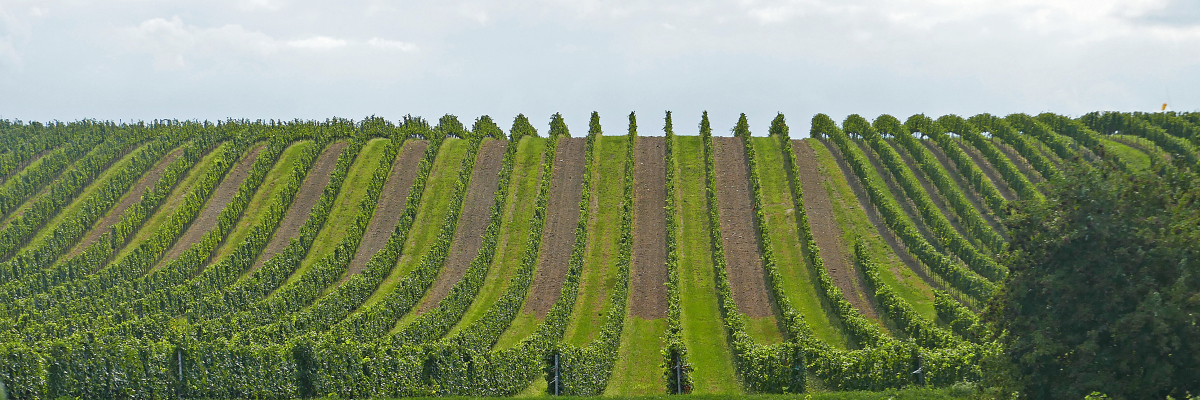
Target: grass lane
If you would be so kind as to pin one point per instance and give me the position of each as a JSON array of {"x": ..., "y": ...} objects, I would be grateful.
[
  {"x": 516, "y": 226},
  {"x": 703, "y": 330},
  {"x": 435, "y": 204},
  {"x": 346, "y": 206},
  {"x": 799, "y": 283},
  {"x": 600, "y": 265},
  {"x": 271, "y": 187}
]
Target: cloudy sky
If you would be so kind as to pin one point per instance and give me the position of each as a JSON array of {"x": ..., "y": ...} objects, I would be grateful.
[{"x": 215, "y": 59}]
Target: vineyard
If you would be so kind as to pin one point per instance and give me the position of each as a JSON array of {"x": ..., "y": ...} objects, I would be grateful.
[{"x": 381, "y": 258}]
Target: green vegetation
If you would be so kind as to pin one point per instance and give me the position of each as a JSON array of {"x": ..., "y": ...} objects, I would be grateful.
[
  {"x": 432, "y": 213},
  {"x": 1106, "y": 260},
  {"x": 599, "y": 271},
  {"x": 853, "y": 222},
  {"x": 175, "y": 199},
  {"x": 703, "y": 330},
  {"x": 781, "y": 217},
  {"x": 1135, "y": 158},
  {"x": 517, "y": 221},
  {"x": 274, "y": 184},
  {"x": 346, "y": 207},
  {"x": 1103, "y": 257}
]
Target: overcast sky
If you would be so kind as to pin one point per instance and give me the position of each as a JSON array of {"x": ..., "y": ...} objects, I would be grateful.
[{"x": 285, "y": 59}]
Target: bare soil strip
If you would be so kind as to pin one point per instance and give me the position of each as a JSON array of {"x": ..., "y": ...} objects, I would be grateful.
[
  {"x": 972, "y": 195},
  {"x": 558, "y": 235},
  {"x": 873, "y": 216},
  {"x": 648, "y": 299},
  {"x": 1020, "y": 162},
  {"x": 826, "y": 232},
  {"x": 743, "y": 256},
  {"x": 391, "y": 204},
  {"x": 310, "y": 192},
  {"x": 207, "y": 220},
  {"x": 989, "y": 170},
  {"x": 133, "y": 196},
  {"x": 472, "y": 222}
]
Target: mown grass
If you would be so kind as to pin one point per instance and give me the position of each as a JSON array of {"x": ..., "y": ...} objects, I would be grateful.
[
  {"x": 516, "y": 226},
  {"x": 435, "y": 204},
  {"x": 1135, "y": 158},
  {"x": 91, "y": 189},
  {"x": 703, "y": 329},
  {"x": 638, "y": 370},
  {"x": 779, "y": 208},
  {"x": 852, "y": 220},
  {"x": 185, "y": 186},
  {"x": 270, "y": 188},
  {"x": 345, "y": 207},
  {"x": 600, "y": 258}
]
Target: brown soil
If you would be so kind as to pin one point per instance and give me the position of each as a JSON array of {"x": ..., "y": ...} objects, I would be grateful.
[
  {"x": 743, "y": 256},
  {"x": 826, "y": 232},
  {"x": 1020, "y": 162},
  {"x": 208, "y": 217},
  {"x": 934, "y": 194},
  {"x": 875, "y": 219},
  {"x": 558, "y": 235},
  {"x": 307, "y": 198},
  {"x": 472, "y": 222},
  {"x": 132, "y": 196},
  {"x": 648, "y": 297},
  {"x": 897, "y": 193},
  {"x": 391, "y": 205},
  {"x": 989, "y": 170}
]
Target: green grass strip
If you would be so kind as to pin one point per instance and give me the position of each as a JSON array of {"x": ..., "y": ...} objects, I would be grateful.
[
  {"x": 599, "y": 271},
  {"x": 517, "y": 225},
  {"x": 779, "y": 210},
  {"x": 703, "y": 329}
]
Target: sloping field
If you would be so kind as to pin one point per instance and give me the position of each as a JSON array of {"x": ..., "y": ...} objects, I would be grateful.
[
  {"x": 309, "y": 193},
  {"x": 391, "y": 204},
  {"x": 468, "y": 237},
  {"x": 136, "y": 266},
  {"x": 207, "y": 220}
]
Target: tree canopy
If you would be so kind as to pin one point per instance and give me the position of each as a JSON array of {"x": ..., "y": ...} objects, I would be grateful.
[{"x": 1104, "y": 290}]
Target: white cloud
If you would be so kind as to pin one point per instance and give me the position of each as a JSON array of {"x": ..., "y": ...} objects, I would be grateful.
[
  {"x": 391, "y": 44},
  {"x": 317, "y": 43}
]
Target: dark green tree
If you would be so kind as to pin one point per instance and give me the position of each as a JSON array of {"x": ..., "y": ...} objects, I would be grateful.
[{"x": 1104, "y": 291}]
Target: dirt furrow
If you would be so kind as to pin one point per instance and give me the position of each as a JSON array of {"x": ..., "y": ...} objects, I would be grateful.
[
  {"x": 209, "y": 216},
  {"x": 825, "y": 230},
  {"x": 743, "y": 256},
  {"x": 132, "y": 196},
  {"x": 864, "y": 202},
  {"x": 472, "y": 222},
  {"x": 391, "y": 204},
  {"x": 989, "y": 171},
  {"x": 558, "y": 235},
  {"x": 307, "y": 198},
  {"x": 648, "y": 299}
]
